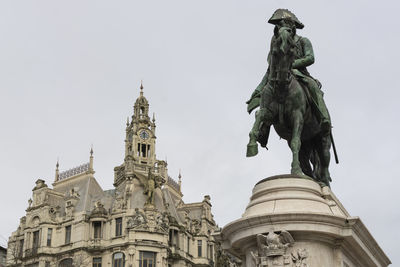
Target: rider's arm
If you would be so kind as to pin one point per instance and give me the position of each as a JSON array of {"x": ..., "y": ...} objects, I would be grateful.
[{"x": 308, "y": 52}]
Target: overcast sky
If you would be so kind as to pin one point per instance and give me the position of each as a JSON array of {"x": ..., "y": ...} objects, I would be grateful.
[{"x": 70, "y": 72}]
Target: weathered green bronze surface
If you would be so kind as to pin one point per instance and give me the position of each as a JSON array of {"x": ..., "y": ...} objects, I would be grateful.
[{"x": 291, "y": 100}]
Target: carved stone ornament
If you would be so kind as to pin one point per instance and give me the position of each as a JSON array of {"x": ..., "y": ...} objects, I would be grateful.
[
  {"x": 119, "y": 204},
  {"x": 162, "y": 221},
  {"x": 272, "y": 251},
  {"x": 274, "y": 244},
  {"x": 137, "y": 220},
  {"x": 195, "y": 227},
  {"x": 300, "y": 258}
]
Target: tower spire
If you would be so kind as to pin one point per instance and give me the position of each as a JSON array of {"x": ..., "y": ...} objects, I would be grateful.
[{"x": 141, "y": 88}]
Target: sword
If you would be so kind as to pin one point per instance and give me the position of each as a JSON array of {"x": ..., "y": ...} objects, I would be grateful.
[{"x": 334, "y": 148}]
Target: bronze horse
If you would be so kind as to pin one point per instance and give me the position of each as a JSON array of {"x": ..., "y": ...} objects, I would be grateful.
[{"x": 286, "y": 106}]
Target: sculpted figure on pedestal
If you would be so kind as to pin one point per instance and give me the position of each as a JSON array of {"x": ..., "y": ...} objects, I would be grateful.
[
  {"x": 300, "y": 258},
  {"x": 292, "y": 101},
  {"x": 273, "y": 244},
  {"x": 272, "y": 249}
]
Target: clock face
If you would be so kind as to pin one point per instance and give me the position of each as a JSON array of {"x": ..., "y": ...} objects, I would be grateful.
[{"x": 144, "y": 135}]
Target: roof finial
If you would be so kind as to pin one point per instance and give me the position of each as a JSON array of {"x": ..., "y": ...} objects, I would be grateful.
[
  {"x": 180, "y": 180},
  {"x": 57, "y": 172},
  {"x": 154, "y": 117},
  {"x": 127, "y": 121},
  {"x": 91, "y": 160},
  {"x": 141, "y": 88}
]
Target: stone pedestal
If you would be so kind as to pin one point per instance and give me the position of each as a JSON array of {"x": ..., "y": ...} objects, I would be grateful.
[{"x": 292, "y": 221}]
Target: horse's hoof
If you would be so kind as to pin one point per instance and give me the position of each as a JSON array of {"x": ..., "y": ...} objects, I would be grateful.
[
  {"x": 296, "y": 171},
  {"x": 252, "y": 150}
]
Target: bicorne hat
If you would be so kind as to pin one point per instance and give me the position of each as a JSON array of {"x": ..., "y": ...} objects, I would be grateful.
[{"x": 281, "y": 14}]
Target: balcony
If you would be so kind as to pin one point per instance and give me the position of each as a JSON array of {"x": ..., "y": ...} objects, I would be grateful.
[
  {"x": 95, "y": 244},
  {"x": 31, "y": 252}
]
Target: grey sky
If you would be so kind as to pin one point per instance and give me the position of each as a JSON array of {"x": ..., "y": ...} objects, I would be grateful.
[{"x": 70, "y": 73}]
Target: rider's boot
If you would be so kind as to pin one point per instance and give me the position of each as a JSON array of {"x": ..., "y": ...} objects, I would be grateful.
[
  {"x": 319, "y": 103},
  {"x": 325, "y": 120}
]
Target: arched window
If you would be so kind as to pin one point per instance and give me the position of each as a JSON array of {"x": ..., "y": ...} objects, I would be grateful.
[
  {"x": 65, "y": 263},
  {"x": 118, "y": 259}
]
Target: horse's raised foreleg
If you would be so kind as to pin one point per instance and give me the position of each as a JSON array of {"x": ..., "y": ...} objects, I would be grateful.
[
  {"x": 295, "y": 141},
  {"x": 252, "y": 146}
]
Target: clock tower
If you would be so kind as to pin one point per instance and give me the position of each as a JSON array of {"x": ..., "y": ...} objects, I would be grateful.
[
  {"x": 140, "y": 142},
  {"x": 141, "y": 133}
]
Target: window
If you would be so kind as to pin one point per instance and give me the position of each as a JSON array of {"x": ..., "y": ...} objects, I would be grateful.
[
  {"x": 21, "y": 248},
  {"x": 118, "y": 226},
  {"x": 199, "y": 248},
  {"x": 97, "y": 229},
  {"x": 147, "y": 259},
  {"x": 188, "y": 244},
  {"x": 96, "y": 262},
  {"x": 173, "y": 237},
  {"x": 35, "y": 243},
  {"x": 46, "y": 264},
  {"x": 118, "y": 259},
  {"x": 49, "y": 234},
  {"x": 143, "y": 150},
  {"x": 68, "y": 234},
  {"x": 65, "y": 263}
]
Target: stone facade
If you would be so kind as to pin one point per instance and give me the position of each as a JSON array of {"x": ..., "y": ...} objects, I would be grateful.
[
  {"x": 142, "y": 222},
  {"x": 3, "y": 255},
  {"x": 291, "y": 221}
]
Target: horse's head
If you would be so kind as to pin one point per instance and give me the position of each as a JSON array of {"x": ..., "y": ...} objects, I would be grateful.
[{"x": 283, "y": 52}]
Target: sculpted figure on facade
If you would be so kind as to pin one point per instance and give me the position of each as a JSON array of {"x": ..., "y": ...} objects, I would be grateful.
[
  {"x": 119, "y": 203},
  {"x": 162, "y": 221},
  {"x": 138, "y": 219},
  {"x": 153, "y": 181},
  {"x": 128, "y": 191}
]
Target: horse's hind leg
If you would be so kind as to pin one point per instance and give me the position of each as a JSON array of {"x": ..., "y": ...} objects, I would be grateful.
[
  {"x": 324, "y": 157},
  {"x": 295, "y": 141},
  {"x": 304, "y": 157}
]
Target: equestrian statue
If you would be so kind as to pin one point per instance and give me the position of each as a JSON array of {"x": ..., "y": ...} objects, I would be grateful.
[{"x": 291, "y": 100}]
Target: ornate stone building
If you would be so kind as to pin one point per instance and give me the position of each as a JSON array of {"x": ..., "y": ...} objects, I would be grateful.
[{"x": 142, "y": 222}]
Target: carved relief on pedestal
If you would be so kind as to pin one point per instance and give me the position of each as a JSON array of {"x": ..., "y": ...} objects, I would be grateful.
[
  {"x": 272, "y": 251},
  {"x": 300, "y": 258}
]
